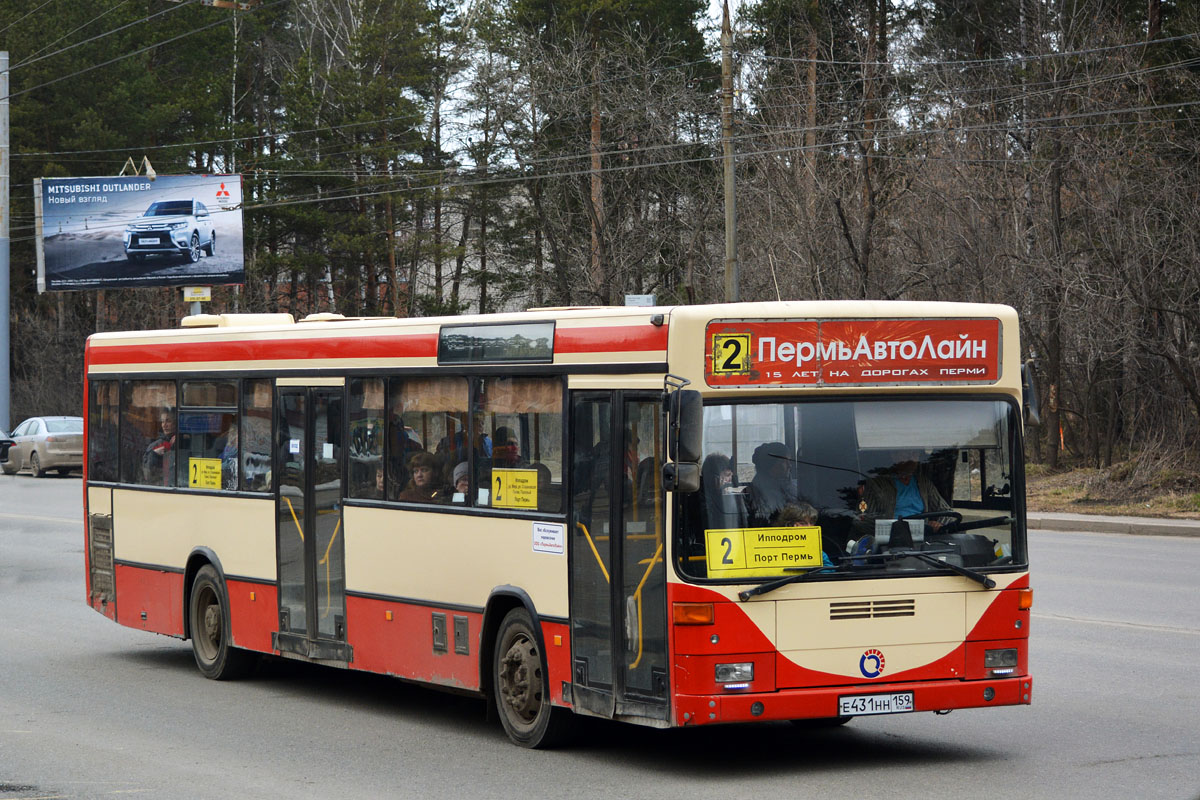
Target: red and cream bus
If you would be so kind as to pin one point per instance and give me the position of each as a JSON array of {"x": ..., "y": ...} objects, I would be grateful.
[{"x": 667, "y": 516}]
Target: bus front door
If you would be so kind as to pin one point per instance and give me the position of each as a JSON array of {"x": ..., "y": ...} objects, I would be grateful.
[
  {"x": 312, "y": 573},
  {"x": 618, "y": 572}
]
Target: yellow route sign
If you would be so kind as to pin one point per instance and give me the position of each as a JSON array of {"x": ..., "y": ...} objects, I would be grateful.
[
  {"x": 514, "y": 488},
  {"x": 730, "y": 353},
  {"x": 759, "y": 552},
  {"x": 204, "y": 473}
]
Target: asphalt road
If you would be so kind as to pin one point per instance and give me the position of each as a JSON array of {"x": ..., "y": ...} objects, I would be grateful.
[{"x": 89, "y": 709}]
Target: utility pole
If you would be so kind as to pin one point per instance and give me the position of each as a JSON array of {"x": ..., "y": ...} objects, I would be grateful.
[
  {"x": 5, "y": 171},
  {"x": 732, "y": 294}
]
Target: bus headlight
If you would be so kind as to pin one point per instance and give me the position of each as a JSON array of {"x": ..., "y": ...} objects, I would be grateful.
[
  {"x": 735, "y": 673},
  {"x": 1000, "y": 662}
]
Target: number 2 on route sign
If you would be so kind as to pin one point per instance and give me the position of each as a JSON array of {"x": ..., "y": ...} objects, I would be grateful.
[{"x": 730, "y": 353}]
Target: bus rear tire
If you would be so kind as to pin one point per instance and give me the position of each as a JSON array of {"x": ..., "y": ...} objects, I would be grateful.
[
  {"x": 521, "y": 688},
  {"x": 208, "y": 618}
]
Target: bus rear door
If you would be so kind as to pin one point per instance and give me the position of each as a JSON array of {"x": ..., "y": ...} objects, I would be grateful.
[{"x": 312, "y": 571}]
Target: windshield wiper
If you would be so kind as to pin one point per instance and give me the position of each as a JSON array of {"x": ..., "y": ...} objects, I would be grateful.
[
  {"x": 771, "y": 586},
  {"x": 928, "y": 556}
]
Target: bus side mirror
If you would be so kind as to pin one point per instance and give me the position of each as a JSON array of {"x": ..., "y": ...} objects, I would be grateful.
[
  {"x": 680, "y": 477},
  {"x": 686, "y": 419},
  {"x": 1029, "y": 394},
  {"x": 685, "y": 413}
]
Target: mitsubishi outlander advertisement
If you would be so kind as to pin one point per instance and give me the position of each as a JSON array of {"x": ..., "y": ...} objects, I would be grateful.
[{"x": 112, "y": 233}]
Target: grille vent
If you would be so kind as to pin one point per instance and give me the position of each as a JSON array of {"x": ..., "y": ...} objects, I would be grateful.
[
  {"x": 101, "y": 542},
  {"x": 873, "y": 609}
]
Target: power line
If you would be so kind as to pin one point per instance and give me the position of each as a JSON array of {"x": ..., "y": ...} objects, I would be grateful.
[
  {"x": 333, "y": 195},
  {"x": 999, "y": 60},
  {"x": 35, "y": 58},
  {"x": 266, "y": 135},
  {"x": 75, "y": 30},
  {"x": 22, "y": 19},
  {"x": 145, "y": 49}
]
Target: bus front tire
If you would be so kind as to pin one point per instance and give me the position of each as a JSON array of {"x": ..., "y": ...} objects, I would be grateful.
[
  {"x": 521, "y": 687},
  {"x": 208, "y": 617}
]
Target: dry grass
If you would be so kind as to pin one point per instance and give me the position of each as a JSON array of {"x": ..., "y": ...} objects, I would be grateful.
[{"x": 1133, "y": 488}]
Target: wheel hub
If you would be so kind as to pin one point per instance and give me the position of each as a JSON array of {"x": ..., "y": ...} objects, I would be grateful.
[
  {"x": 519, "y": 684},
  {"x": 212, "y": 622}
]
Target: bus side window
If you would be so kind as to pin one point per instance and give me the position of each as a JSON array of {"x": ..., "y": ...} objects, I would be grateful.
[
  {"x": 254, "y": 472},
  {"x": 145, "y": 449},
  {"x": 103, "y": 416},
  {"x": 426, "y": 421},
  {"x": 366, "y": 415},
  {"x": 523, "y": 418}
]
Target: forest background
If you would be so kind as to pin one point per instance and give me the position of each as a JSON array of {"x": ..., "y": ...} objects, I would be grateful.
[{"x": 410, "y": 158}]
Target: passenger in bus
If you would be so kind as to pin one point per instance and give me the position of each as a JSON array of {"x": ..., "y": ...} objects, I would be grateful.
[
  {"x": 158, "y": 462},
  {"x": 773, "y": 486},
  {"x": 424, "y": 485},
  {"x": 801, "y": 515},
  {"x": 716, "y": 483},
  {"x": 461, "y": 481},
  {"x": 404, "y": 444},
  {"x": 506, "y": 450},
  {"x": 549, "y": 497},
  {"x": 904, "y": 489},
  {"x": 229, "y": 459}
]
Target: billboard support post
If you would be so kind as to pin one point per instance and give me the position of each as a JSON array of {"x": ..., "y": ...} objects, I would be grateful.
[{"x": 5, "y": 363}]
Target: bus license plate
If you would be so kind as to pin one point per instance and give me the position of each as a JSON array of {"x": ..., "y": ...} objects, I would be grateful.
[{"x": 861, "y": 704}]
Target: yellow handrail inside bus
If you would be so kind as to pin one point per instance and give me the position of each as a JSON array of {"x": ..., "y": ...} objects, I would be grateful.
[
  {"x": 299, "y": 528},
  {"x": 595, "y": 552},
  {"x": 325, "y": 561},
  {"x": 638, "y": 595}
]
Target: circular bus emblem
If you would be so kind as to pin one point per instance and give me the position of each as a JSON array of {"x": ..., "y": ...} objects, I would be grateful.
[{"x": 871, "y": 663}]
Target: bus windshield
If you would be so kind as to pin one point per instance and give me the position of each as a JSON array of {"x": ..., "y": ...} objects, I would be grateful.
[{"x": 793, "y": 486}]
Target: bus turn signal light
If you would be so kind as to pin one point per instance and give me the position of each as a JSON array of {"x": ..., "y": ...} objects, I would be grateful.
[
  {"x": 1025, "y": 599},
  {"x": 693, "y": 613}
]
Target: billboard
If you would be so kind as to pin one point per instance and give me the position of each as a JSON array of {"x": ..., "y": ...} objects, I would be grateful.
[{"x": 106, "y": 233}]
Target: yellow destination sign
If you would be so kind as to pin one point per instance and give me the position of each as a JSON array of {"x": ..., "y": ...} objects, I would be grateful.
[
  {"x": 204, "y": 473},
  {"x": 514, "y": 488},
  {"x": 759, "y": 552}
]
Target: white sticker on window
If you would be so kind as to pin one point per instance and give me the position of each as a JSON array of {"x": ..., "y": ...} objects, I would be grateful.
[
  {"x": 327, "y": 451},
  {"x": 293, "y": 445},
  {"x": 549, "y": 538}
]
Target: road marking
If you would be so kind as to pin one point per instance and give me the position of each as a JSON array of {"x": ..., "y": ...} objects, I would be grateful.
[
  {"x": 1115, "y": 624},
  {"x": 38, "y": 518}
]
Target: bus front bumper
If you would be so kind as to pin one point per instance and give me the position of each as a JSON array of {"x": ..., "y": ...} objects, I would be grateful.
[{"x": 822, "y": 702}]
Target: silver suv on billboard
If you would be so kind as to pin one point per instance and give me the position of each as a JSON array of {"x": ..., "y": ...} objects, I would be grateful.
[{"x": 171, "y": 228}]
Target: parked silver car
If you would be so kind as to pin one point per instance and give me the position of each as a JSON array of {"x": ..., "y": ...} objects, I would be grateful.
[
  {"x": 45, "y": 443},
  {"x": 171, "y": 228}
]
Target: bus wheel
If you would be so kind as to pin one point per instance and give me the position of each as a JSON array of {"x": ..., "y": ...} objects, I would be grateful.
[
  {"x": 208, "y": 620},
  {"x": 521, "y": 688}
]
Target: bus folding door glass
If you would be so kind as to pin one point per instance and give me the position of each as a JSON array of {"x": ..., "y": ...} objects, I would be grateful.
[
  {"x": 426, "y": 437},
  {"x": 524, "y": 421},
  {"x": 148, "y": 433},
  {"x": 255, "y": 472},
  {"x": 293, "y": 480},
  {"x": 103, "y": 416},
  {"x": 642, "y": 550},
  {"x": 591, "y": 554},
  {"x": 366, "y": 438}
]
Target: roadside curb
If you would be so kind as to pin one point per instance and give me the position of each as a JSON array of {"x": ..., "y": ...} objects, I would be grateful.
[{"x": 1091, "y": 523}]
